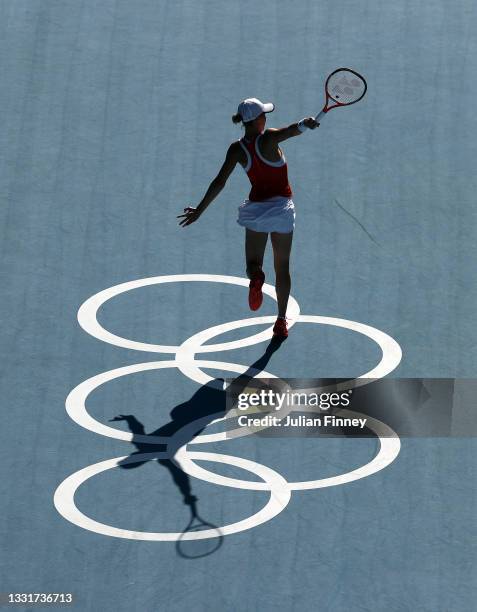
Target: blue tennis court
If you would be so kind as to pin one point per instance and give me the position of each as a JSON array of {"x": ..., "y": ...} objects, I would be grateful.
[{"x": 120, "y": 328}]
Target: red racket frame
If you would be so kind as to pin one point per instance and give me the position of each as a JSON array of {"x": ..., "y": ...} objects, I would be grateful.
[{"x": 327, "y": 108}]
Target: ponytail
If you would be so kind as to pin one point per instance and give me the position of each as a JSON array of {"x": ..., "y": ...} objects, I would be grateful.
[{"x": 237, "y": 118}]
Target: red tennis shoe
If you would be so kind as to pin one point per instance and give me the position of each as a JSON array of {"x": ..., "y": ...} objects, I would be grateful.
[
  {"x": 255, "y": 295},
  {"x": 280, "y": 329}
]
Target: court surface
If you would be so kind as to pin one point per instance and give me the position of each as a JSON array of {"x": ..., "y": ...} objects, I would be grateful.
[{"x": 115, "y": 116}]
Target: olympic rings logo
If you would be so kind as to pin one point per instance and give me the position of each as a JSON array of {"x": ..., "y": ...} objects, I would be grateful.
[{"x": 178, "y": 446}]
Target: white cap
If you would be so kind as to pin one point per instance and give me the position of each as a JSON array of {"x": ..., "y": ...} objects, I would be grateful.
[{"x": 251, "y": 108}]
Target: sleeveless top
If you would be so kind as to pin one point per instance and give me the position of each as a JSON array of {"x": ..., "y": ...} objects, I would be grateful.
[{"x": 268, "y": 179}]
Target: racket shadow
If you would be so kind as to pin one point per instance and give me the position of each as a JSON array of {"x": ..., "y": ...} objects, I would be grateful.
[
  {"x": 190, "y": 544},
  {"x": 200, "y": 537}
]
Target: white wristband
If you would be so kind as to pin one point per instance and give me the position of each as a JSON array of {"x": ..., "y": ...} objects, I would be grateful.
[{"x": 301, "y": 126}]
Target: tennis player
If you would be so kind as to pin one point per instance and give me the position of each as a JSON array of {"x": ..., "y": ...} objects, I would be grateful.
[{"x": 269, "y": 208}]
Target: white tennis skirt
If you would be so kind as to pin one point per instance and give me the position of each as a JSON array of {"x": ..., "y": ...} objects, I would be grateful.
[{"x": 275, "y": 214}]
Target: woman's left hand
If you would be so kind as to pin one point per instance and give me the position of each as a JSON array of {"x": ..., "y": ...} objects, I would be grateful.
[{"x": 190, "y": 215}]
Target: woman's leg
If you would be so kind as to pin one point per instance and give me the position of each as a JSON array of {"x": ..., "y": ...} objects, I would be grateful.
[
  {"x": 281, "y": 244},
  {"x": 255, "y": 243}
]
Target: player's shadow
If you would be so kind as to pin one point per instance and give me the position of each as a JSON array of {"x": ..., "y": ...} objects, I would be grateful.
[{"x": 188, "y": 420}]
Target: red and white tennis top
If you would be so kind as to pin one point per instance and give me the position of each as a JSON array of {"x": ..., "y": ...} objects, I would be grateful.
[{"x": 268, "y": 178}]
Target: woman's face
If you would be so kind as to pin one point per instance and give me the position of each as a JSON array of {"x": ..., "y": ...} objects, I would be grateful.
[
  {"x": 258, "y": 124},
  {"x": 261, "y": 120}
]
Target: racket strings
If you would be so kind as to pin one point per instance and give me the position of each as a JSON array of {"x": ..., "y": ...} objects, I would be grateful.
[{"x": 345, "y": 87}]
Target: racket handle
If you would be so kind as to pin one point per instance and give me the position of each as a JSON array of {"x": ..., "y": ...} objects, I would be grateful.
[{"x": 320, "y": 115}]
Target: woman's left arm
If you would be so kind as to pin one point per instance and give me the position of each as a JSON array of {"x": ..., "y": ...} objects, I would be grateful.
[{"x": 295, "y": 129}]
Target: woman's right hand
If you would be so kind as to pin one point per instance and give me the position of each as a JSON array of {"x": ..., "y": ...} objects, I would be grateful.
[{"x": 190, "y": 215}]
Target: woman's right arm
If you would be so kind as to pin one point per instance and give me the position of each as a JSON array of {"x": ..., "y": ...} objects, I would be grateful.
[{"x": 231, "y": 159}]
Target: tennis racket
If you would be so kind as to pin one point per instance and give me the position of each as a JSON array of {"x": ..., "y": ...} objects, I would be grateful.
[
  {"x": 342, "y": 88},
  {"x": 190, "y": 545}
]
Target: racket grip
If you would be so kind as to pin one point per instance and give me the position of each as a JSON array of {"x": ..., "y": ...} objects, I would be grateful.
[{"x": 320, "y": 115}]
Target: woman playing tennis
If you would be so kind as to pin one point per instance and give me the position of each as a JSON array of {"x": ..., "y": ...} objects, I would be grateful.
[{"x": 269, "y": 208}]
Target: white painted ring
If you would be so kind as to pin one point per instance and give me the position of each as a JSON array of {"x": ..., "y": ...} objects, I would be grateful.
[
  {"x": 87, "y": 314},
  {"x": 77, "y": 411},
  {"x": 65, "y": 504},
  {"x": 390, "y": 446},
  {"x": 391, "y": 353}
]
